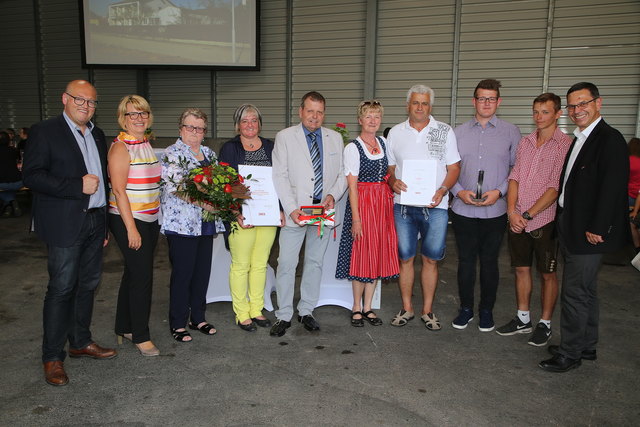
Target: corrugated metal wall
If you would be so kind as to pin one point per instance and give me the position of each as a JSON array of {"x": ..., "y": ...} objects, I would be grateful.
[{"x": 417, "y": 42}]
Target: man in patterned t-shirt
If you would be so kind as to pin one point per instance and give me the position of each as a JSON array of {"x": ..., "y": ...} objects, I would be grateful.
[{"x": 421, "y": 137}]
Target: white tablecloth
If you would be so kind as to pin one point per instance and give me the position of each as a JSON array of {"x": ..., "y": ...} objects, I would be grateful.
[{"x": 332, "y": 291}]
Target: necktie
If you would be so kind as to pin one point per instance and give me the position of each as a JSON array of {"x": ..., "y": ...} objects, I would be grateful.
[{"x": 317, "y": 166}]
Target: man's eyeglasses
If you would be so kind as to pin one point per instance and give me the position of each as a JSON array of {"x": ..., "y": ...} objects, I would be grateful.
[
  {"x": 580, "y": 105},
  {"x": 80, "y": 101},
  {"x": 195, "y": 129},
  {"x": 490, "y": 99},
  {"x": 135, "y": 114}
]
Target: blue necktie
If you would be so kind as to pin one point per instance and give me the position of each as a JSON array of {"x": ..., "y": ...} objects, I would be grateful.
[{"x": 317, "y": 166}]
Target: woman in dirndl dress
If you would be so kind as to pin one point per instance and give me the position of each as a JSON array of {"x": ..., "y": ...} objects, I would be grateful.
[{"x": 368, "y": 246}]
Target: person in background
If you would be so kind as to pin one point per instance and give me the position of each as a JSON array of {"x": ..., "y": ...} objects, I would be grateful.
[
  {"x": 368, "y": 245},
  {"x": 24, "y": 137},
  {"x": 190, "y": 238},
  {"x": 134, "y": 202},
  {"x": 65, "y": 166},
  {"x": 250, "y": 246},
  {"x": 488, "y": 144},
  {"x": 10, "y": 177},
  {"x": 531, "y": 209},
  {"x": 634, "y": 189}
]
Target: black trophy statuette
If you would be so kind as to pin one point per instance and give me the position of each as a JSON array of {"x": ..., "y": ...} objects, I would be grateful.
[{"x": 479, "y": 197}]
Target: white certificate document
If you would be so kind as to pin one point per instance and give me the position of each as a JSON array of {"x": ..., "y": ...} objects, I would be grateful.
[
  {"x": 420, "y": 178},
  {"x": 262, "y": 208}
]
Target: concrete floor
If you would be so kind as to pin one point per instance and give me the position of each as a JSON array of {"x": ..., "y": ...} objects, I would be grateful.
[{"x": 339, "y": 376}]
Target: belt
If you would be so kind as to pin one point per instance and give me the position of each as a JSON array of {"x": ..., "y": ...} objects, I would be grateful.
[
  {"x": 315, "y": 201},
  {"x": 95, "y": 210}
]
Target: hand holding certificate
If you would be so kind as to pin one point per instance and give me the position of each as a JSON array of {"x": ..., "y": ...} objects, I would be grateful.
[
  {"x": 420, "y": 179},
  {"x": 262, "y": 208}
]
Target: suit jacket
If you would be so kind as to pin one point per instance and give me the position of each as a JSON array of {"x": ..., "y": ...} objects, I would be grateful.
[
  {"x": 293, "y": 171},
  {"x": 595, "y": 196},
  {"x": 53, "y": 170}
]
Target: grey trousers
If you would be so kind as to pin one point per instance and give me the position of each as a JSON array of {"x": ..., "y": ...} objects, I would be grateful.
[
  {"x": 290, "y": 242},
  {"x": 579, "y": 299}
]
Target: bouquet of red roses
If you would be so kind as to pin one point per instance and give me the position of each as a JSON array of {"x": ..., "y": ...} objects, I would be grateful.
[{"x": 218, "y": 188}]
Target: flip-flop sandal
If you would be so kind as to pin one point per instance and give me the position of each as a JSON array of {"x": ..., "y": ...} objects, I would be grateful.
[
  {"x": 431, "y": 322},
  {"x": 402, "y": 318},
  {"x": 375, "y": 321}
]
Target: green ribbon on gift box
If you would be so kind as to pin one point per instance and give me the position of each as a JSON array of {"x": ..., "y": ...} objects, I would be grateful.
[{"x": 321, "y": 219}]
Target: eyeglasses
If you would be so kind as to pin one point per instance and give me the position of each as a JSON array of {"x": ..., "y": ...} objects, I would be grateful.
[
  {"x": 580, "y": 105},
  {"x": 135, "y": 114},
  {"x": 374, "y": 102},
  {"x": 490, "y": 100},
  {"x": 80, "y": 101},
  {"x": 195, "y": 129}
]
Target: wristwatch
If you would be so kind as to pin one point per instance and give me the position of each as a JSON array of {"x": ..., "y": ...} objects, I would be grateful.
[{"x": 526, "y": 216}]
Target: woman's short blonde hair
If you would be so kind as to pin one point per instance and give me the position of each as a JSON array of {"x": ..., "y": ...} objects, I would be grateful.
[
  {"x": 242, "y": 112},
  {"x": 369, "y": 106},
  {"x": 139, "y": 103}
]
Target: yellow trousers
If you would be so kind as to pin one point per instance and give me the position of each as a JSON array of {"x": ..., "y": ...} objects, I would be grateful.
[{"x": 250, "y": 248}]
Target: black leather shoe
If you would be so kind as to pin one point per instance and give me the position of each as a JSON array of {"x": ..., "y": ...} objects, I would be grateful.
[
  {"x": 586, "y": 354},
  {"x": 263, "y": 323},
  {"x": 310, "y": 324},
  {"x": 279, "y": 328},
  {"x": 250, "y": 327},
  {"x": 559, "y": 363}
]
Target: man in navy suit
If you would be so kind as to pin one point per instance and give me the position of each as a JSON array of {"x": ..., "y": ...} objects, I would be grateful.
[
  {"x": 591, "y": 220},
  {"x": 65, "y": 167}
]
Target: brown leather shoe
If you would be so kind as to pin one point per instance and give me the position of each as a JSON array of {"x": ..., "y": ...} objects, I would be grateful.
[
  {"x": 93, "y": 350},
  {"x": 54, "y": 373}
]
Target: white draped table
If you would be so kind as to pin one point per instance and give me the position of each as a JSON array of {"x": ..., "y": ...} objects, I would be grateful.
[{"x": 332, "y": 291}]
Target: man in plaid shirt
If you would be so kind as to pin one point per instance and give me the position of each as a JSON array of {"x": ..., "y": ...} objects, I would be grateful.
[{"x": 531, "y": 208}]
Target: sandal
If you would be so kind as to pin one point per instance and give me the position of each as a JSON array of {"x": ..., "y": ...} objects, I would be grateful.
[
  {"x": 181, "y": 336},
  {"x": 431, "y": 322},
  {"x": 205, "y": 329},
  {"x": 402, "y": 318},
  {"x": 375, "y": 321},
  {"x": 358, "y": 323}
]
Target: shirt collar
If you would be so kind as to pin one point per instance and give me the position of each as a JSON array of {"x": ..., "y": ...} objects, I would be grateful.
[
  {"x": 307, "y": 131},
  {"x": 585, "y": 133},
  {"x": 492, "y": 121},
  {"x": 74, "y": 126}
]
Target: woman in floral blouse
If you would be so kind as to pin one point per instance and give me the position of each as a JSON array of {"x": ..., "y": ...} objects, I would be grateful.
[{"x": 190, "y": 239}]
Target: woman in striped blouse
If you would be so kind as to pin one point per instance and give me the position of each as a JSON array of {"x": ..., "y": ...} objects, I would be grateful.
[{"x": 134, "y": 202}]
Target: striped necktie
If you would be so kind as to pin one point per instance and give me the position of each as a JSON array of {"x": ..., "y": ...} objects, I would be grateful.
[{"x": 317, "y": 166}]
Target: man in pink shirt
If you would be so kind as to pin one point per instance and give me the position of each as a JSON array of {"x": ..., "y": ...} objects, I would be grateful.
[{"x": 531, "y": 208}]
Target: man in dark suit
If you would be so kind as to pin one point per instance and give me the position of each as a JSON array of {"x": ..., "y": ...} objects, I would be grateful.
[
  {"x": 591, "y": 220},
  {"x": 65, "y": 166}
]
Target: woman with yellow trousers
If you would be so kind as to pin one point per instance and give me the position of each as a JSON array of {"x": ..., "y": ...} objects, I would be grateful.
[{"x": 250, "y": 246}]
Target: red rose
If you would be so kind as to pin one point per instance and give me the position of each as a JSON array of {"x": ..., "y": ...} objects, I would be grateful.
[
  {"x": 240, "y": 178},
  {"x": 227, "y": 188},
  {"x": 198, "y": 178},
  {"x": 341, "y": 125},
  {"x": 223, "y": 164}
]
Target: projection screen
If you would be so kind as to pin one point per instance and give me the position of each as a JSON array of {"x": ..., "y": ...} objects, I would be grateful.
[{"x": 218, "y": 34}]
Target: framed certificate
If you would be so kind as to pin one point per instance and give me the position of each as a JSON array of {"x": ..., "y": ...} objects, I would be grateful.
[
  {"x": 420, "y": 178},
  {"x": 262, "y": 208}
]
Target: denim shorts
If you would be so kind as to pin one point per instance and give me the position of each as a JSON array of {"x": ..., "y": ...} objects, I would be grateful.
[{"x": 429, "y": 223}]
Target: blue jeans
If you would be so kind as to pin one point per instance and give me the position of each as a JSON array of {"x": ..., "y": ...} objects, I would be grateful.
[
  {"x": 9, "y": 193},
  {"x": 74, "y": 275},
  {"x": 430, "y": 223}
]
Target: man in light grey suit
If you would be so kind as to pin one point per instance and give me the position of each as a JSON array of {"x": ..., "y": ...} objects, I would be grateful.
[{"x": 307, "y": 170}]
